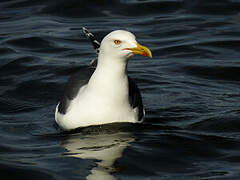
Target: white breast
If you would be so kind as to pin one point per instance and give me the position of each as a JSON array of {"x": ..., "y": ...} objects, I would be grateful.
[{"x": 103, "y": 100}]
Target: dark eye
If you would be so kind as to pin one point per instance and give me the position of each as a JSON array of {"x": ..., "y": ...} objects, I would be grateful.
[{"x": 117, "y": 42}]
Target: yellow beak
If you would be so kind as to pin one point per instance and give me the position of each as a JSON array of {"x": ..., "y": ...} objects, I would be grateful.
[{"x": 142, "y": 50}]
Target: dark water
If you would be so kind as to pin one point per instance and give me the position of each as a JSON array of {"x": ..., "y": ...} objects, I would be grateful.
[{"x": 190, "y": 90}]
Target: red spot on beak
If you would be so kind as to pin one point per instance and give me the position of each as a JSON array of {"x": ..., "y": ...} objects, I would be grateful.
[{"x": 144, "y": 54}]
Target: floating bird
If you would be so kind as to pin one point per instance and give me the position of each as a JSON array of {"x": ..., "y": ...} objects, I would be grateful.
[{"x": 105, "y": 94}]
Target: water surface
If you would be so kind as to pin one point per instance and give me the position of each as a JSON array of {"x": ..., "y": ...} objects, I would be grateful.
[{"x": 190, "y": 90}]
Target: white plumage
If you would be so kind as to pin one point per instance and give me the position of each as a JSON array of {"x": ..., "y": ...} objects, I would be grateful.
[{"x": 105, "y": 98}]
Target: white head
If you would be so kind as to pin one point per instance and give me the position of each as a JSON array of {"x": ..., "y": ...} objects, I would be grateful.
[{"x": 122, "y": 45}]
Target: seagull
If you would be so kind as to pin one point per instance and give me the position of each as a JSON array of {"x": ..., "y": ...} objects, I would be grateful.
[{"x": 104, "y": 94}]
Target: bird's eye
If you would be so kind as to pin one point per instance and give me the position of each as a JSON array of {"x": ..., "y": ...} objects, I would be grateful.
[{"x": 117, "y": 42}]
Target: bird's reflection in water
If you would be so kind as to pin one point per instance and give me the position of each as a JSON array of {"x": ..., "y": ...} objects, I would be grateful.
[{"x": 103, "y": 146}]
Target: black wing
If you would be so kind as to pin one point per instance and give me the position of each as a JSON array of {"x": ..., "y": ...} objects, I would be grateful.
[
  {"x": 92, "y": 38},
  {"x": 95, "y": 44},
  {"x": 72, "y": 87},
  {"x": 135, "y": 98},
  {"x": 80, "y": 78}
]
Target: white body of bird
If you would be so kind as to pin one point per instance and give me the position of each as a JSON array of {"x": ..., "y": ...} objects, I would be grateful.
[{"x": 105, "y": 98}]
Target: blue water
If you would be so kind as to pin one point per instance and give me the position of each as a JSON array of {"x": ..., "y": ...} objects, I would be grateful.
[{"x": 190, "y": 90}]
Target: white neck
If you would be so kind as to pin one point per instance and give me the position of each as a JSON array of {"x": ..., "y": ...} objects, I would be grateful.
[{"x": 110, "y": 79}]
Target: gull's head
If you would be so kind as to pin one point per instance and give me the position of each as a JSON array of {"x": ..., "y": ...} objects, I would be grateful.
[{"x": 122, "y": 45}]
